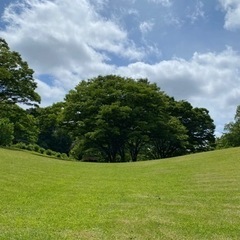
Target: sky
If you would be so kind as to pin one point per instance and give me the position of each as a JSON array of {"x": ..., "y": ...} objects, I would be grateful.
[{"x": 190, "y": 48}]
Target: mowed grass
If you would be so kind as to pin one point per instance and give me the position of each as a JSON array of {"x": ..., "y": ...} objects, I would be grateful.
[{"x": 189, "y": 197}]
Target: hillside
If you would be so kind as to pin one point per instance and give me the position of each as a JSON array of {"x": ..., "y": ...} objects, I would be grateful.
[{"x": 190, "y": 197}]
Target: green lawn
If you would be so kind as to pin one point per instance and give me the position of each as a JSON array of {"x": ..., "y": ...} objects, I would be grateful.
[{"x": 190, "y": 197}]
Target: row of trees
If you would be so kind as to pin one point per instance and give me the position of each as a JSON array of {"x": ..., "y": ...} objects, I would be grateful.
[{"x": 108, "y": 118}]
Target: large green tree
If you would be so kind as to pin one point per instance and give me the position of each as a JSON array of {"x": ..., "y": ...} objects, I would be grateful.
[
  {"x": 17, "y": 84},
  {"x": 112, "y": 115}
]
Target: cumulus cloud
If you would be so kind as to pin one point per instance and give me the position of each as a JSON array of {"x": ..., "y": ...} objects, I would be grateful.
[
  {"x": 55, "y": 93},
  {"x": 67, "y": 41},
  {"x": 232, "y": 18},
  {"x": 207, "y": 80}
]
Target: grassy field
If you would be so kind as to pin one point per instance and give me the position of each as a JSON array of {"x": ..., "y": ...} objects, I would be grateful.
[{"x": 190, "y": 197}]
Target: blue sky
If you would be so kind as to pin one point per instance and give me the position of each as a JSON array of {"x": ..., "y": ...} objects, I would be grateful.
[{"x": 190, "y": 48}]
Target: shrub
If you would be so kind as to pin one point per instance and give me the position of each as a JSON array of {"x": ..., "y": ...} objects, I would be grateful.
[
  {"x": 64, "y": 156},
  {"x": 58, "y": 155},
  {"x": 41, "y": 150},
  {"x": 36, "y": 148},
  {"x": 30, "y": 147},
  {"x": 20, "y": 145},
  {"x": 49, "y": 152}
]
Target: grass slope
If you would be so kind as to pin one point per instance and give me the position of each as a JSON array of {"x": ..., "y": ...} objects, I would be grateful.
[{"x": 191, "y": 197}]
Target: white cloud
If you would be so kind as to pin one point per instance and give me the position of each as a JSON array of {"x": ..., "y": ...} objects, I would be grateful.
[
  {"x": 50, "y": 94},
  {"x": 197, "y": 13},
  {"x": 165, "y": 3},
  {"x": 146, "y": 26},
  {"x": 68, "y": 41},
  {"x": 172, "y": 20},
  {"x": 207, "y": 80},
  {"x": 232, "y": 18}
]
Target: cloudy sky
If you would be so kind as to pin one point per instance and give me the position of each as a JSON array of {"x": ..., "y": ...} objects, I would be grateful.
[{"x": 190, "y": 48}]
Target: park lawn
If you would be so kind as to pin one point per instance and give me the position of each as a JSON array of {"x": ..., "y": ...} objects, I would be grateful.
[{"x": 190, "y": 197}]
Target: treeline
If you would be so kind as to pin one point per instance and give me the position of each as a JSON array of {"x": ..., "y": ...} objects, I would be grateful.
[
  {"x": 113, "y": 119},
  {"x": 104, "y": 119}
]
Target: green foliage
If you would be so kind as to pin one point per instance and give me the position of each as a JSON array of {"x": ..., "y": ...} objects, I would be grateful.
[
  {"x": 6, "y": 132},
  {"x": 198, "y": 123},
  {"x": 64, "y": 156},
  {"x": 38, "y": 149},
  {"x": 25, "y": 125},
  {"x": 20, "y": 145},
  {"x": 16, "y": 78},
  {"x": 41, "y": 150},
  {"x": 52, "y": 132},
  {"x": 118, "y": 117},
  {"x": 170, "y": 140},
  {"x": 112, "y": 114},
  {"x": 231, "y": 136},
  {"x": 29, "y": 147},
  {"x": 188, "y": 197},
  {"x": 49, "y": 152}
]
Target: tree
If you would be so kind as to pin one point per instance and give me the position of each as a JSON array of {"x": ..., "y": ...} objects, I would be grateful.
[
  {"x": 25, "y": 125},
  {"x": 169, "y": 139},
  {"x": 231, "y": 135},
  {"x": 52, "y": 132},
  {"x": 16, "y": 78},
  {"x": 111, "y": 129},
  {"x": 200, "y": 127},
  {"x": 112, "y": 115},
  {"x": 6, "y": 132}
]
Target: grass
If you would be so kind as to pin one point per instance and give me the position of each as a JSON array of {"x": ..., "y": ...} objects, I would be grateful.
[{"x": 190, "y": 197}]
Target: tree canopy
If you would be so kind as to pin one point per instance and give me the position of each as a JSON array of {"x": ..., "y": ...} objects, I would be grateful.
[
  {"x": 118, "y": 119},
  {"x": 112, "y": 114},
  {"x": 16, "y": 78}
]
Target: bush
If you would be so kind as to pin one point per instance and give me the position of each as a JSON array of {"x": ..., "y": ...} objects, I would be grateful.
[
  {"x": 58, "y": 155},
  {"x": 36, "y": 148},
  {"x": 20, "y": 145},
  {"x": 49, "y": 152},
  {"x": 30, "y": 147},
  {"x": 41, "y": 150},
  {"x": 64, "y": 156}
]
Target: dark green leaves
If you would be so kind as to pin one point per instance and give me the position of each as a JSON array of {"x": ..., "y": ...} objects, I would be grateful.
[
  {"x": 122, "y": 119},
  {"x": 16, "y": 78}
]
